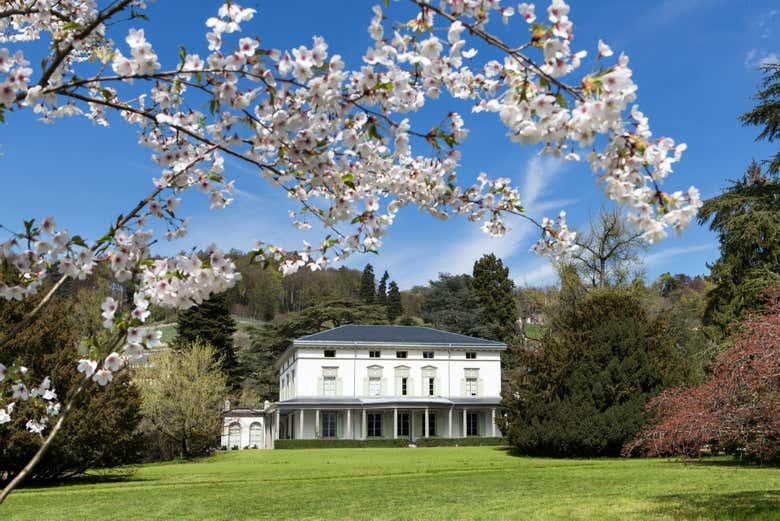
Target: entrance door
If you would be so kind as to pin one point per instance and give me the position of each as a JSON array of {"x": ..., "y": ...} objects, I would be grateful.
[{"x": 403, "y": 424}]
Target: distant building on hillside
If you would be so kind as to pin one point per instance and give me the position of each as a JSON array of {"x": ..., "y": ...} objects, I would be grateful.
[{"x": 367, "y": 382}]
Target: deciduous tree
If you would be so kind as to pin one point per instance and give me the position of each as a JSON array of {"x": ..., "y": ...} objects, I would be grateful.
[{"x": 182, "y": 395}]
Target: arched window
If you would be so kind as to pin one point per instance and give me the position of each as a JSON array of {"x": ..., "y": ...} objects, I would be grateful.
[
  {"x": 234, "y": 436},
  {"x": 255, "y": 436}
]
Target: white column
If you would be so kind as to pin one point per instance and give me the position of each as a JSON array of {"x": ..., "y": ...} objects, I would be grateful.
[
  {"x": 349, "y": 424},
  {"x": 364, "y": 427},
  {"x": 395, "y": 422},
  {"x": 300, "y": 422},
  {"x": 464, "y": 423},
  {"x": 317, "y": 433},
  {"x": 493, "y": 422},
  {"x": 426, "y": 432},
  {"x": 276, "y": 420},
  {"x": 449, "y": 428}
]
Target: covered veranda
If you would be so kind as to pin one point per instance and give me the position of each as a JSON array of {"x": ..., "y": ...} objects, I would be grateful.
[{"x": 376, "y": 418}]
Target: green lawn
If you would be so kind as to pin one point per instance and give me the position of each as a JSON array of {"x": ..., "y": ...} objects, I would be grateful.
[{"x": 432, "y": 483}]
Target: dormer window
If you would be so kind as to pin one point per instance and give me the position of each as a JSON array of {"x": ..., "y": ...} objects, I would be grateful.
[{"x": 330, "y": 353}]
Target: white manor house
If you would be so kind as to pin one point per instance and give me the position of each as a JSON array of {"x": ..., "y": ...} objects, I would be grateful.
[{"x": 369, "y": 382}]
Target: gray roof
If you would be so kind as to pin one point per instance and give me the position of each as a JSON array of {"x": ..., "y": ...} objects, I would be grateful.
[{"x": 352, "y": 334}]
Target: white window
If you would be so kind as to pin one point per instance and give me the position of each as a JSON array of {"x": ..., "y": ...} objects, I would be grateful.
[
  {"x": 404, "y": 386},
  {"x": 471, "y": 386},
  {"x": 234, "y": 436},
  {"x": 400, "y": 354},
  {"x": 374, "y": 386},
  {"x": 431, "y": 386},
  {"x": 329, "y": 386},
  {"x": 427, "y": 354},
  {"x": 374, "y": 354},
  {"x": 330, "y": 353},
  {"x": 255, "y": 436},
  {"x": 471, "y": 355}
]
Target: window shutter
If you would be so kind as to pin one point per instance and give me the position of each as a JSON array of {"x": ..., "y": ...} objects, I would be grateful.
[
  {"x": 383, "y": 392},
  {"x": 480, "y": 387},
  {"x": 320, "y": 391},
  {"x": 437, "y": 387},
  {"x": 340, "y": 420},
  {"x": 365, "y": 386},
  {"x": 410, "y": 386},
  {"x": 398, "y": 386},
  {"x": 463, "y": 387},
  {"x": 339, "y": 386}
]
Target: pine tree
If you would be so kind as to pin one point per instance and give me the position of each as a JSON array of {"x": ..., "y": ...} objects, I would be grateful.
[
  {"x": 746, "y": 217},
  {"x": 367, "y": 285},
  {"x": 381, "y": 291},
  {"x": 210, "y": 322},
  {"x": 766, "y": 113},
  {"x": 495, "y": 292},
  {"x": 394, "y": 306}
]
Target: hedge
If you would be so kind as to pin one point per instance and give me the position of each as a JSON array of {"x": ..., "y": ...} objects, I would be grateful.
[
  {"x": 474, "y": 441},
  {"x": 388, "y": 442},
  {"x": 339, "y": 444}
]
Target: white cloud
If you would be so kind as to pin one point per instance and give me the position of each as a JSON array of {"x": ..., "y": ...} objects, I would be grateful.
[
  {"x": 756, "y": 58},
  {"x": 539, "y": 276},
  {"x": 678, "y": 251},
  {"x": 416, "y": 264}
]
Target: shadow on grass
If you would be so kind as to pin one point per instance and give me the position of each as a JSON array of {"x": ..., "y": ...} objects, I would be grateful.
[
  {"x": 753, "y": 505},
  {"x": 125, "y": 475}
]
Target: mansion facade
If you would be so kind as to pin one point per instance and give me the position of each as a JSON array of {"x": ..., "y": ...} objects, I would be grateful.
[{"x": 369, "y": 382}]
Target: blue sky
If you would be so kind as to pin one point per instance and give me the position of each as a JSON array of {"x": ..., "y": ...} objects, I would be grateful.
[{"x": 694, "y": 61}]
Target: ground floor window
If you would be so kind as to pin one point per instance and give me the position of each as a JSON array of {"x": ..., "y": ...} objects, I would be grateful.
[
  {"x": 431, "y": 424},
  {"x": 374, "y": 425},
  {"x": 472, "y": 424},
  {"x": 329, "y": 425},
  {"x": 255, "y": 436},
  {"x": 403, "y": 424},
  {"x": 234, "y": 436}
]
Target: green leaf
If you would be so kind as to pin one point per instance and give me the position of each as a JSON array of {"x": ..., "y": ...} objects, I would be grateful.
[{"x": 78, "y": 241}]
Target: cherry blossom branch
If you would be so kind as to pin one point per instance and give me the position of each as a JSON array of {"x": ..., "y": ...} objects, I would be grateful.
[
  {"x": 122, "y": 220},
  {"x": 496, "y": 42},
  {"x": 28, "y": 468}
]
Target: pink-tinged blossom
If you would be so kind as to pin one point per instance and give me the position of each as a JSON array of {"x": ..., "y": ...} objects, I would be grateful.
[
  {"x": 113, "y": 362},
  {"x": 102, "y": 377},
  {"x": 87, "y": 367}
]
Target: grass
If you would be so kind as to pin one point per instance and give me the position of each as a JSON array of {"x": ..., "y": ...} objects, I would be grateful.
[{"x": 433, "y": 483}]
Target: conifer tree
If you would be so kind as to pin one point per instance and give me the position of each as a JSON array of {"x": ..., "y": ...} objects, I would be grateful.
[
  {"x": 495, "y": 292},
  {"x": 746, "y": 217},
  {"x": 367, "y": 285},
  {"x": 381, "y": 291},
  {"x": 394, "y": 307},
  {"x": 210, "y": 322}
]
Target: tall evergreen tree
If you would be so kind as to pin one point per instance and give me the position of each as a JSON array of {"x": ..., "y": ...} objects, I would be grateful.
[
  {"x": 766, "y": 113},
  {"x": 368, "y": 285},
  {"x": 381, "y": 291},
  {"x": 495, "y": 292},
  {"x": 746, "y": 217},
  {"x": 582, "y": 390},
  {"x": 394, "y": 307},
  {"x": 452, "y": 304},
  {"x": 210, "y": 322}
]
